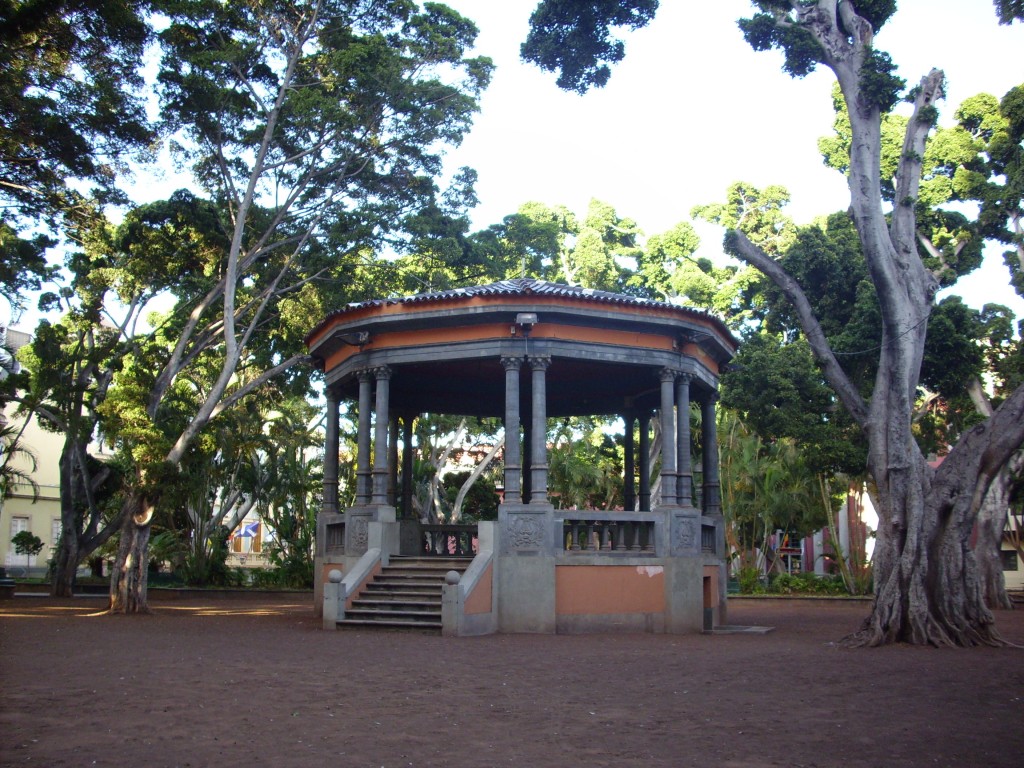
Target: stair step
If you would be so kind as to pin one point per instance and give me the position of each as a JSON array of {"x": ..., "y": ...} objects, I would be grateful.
[
  {"x": 406, "y": 594},
  {"x": 433, "y": 586},
  {"x": 413, "y": 603},
  {"x": 440, "y": 569},
  {"x": 433, "y": 626},
  {"x": 369, "y": 614},
  {"x": 430, "y": 595},
  {"x": 429, "y": 562}
]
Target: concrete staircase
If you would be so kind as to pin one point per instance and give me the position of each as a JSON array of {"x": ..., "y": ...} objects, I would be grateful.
[{"x": 405, "y": 595}]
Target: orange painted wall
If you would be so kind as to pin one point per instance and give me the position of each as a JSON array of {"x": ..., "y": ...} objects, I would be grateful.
[
  {"x": 479, "y": 600},
  {"x": 326, "y": 569},
  {"x": 607, "y": 589}
]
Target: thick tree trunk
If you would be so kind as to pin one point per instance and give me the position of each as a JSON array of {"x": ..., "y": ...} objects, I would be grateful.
[
  {"x": 927, "y": 589},
  {"x": 926, "y": 586},
  {"x": 130, "y": 575},
  {"x": 66, "y": 562},
  {"x": 81, "y": 534},
  {"x": 67, "y": 556},
  {"x": 989, "y": 534}
]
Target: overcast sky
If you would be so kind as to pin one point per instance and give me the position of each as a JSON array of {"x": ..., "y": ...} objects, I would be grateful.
[{"x": 692, "y": 109}]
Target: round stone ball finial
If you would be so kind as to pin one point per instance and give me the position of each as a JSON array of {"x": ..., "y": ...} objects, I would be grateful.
[
  {"x": 335, "y": 576},
  {"x": 452, "y": 577}
]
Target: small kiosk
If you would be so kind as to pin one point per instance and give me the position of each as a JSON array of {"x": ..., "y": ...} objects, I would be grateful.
[{"x": 525, "y": 351}]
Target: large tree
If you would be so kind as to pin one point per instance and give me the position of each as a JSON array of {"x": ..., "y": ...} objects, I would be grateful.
[
  {"x": 71, "y": 113},
  {"x": 315, "y": 128},
  {"x": 926, "y": 585}
]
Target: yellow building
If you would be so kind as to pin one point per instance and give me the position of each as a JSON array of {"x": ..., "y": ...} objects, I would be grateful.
[{"x": 20, "y": 512}]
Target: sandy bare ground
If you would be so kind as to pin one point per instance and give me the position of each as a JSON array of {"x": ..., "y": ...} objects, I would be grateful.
[{"x": 255, "y": 682}]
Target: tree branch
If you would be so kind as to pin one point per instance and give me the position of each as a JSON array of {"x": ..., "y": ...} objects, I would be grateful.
[
  {"x": 835, "y": 374},
  {"x": 908, "y": 170}
]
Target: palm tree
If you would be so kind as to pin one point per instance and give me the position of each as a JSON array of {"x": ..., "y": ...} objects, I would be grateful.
[{"x": 14, "y": 458}]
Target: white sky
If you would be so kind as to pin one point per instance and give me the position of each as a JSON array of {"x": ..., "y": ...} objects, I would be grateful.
[{"x": 693, "y": 108}]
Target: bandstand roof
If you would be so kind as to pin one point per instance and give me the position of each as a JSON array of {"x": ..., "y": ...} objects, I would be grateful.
[{"x": 445, "y": 347}]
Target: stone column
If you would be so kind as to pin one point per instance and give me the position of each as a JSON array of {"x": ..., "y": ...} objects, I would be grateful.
[
  {"x": 380, "y": 437},
  {"x": 629, "y": 468},
  {"x": 709, "y": 432},
  {"x": 407, "y": 421},
  {"x": 393, "y": 460},
  {"x": 539, "y": 449},
  {"x": 819, "y": 550},
  {"x": 668, "y": 438},
  {"x": 684, "y": 488},
  {"x": 513, "y": 461},
  {"x": 363, "y": 438},
  {"x": 331, "y": 446},
  {"x": 644, "y": 448}
]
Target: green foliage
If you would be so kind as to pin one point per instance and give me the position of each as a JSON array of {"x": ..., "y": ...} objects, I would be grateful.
[
  {"x": 27, "y": 543},
  {"x": 877, "y": 12},
  {"x": 806, "y": 584},
  {"x": 481, "y": 502},
  {"x": 766, "y": 486},
  {"x": 12, "y": 453},
  {"x": 781, "y": 394},
  {"x": 757, "y": 213},
  {"x": 584, "y": 466},
  {"x": 1009, "y": 10},
  {"x": 574, "y": 38},
  {"x": 168, "y": 546},
  {"x": 290, "y": 496},
  {"x": 70, "y": 101},
  {"x": 749, "y": 578},
  {"x": 207, "y": 566},
  {"x": 23, "y": 266},
  {"x": 878, "y": 84},
  {"x": 750, "y": 582},
  {"x": 763, "y": 32}
]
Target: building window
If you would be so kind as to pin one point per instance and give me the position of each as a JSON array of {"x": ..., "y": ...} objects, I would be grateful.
[
  {"x": 1010, "y": 560},
  {"x": 18, "y": 524},
  {"x": 248, "y": 538}
]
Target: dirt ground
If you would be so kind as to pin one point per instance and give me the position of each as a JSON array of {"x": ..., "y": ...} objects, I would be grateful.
[{"x": 256, "y": 682}]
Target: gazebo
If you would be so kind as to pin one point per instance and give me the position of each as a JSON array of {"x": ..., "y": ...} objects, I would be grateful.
[{"x": 525, "y": 351}]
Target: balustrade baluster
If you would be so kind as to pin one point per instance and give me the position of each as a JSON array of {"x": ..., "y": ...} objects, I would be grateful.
[
  {"x": 606, "y": 533},
  {"x": 636, "y": 536},
  {"x": 575, "y": 535},
  {"x": 620, "y": 536},
  {"x": 588, "y": 542},
  {"x": 649, "y": 545}
]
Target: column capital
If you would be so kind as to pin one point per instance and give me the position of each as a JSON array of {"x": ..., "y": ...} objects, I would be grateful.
[
  {"x": 539, "y": 362},
  {"x": 512, "y": 363},
  {"x": 687, "y": 377},
  {"x": 382, "y": 372},
  {"x": 365, "y": 374},
  {"x": 668, "y": 374}
]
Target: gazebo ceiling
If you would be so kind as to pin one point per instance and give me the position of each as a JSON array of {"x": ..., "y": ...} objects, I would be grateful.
[
  {"x": 477, "y": 388},
  {"x": 445, "y": 348}
]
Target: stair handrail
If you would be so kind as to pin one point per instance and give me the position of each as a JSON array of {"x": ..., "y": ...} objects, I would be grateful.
[
  {"x": 453, "y": 603},
  {"x": 337, "y": 592}
]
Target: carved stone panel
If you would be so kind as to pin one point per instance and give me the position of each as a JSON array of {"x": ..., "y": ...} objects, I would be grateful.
[
  {"x": 685, "y": 537},
  {"x": 526, "y": 531},
  {"x": 357, "y": 533}
]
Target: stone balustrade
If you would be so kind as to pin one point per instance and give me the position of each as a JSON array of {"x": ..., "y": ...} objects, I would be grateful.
[{"x": 448, "y": 540}]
